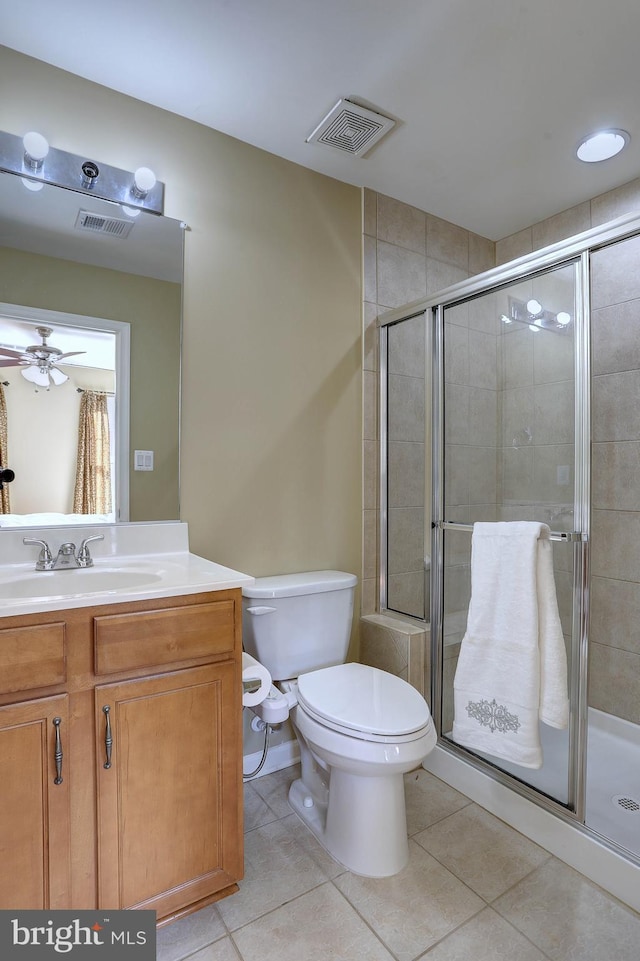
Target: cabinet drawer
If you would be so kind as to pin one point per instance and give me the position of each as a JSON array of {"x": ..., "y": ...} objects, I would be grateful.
[
  {"x": 124, "y": 642},
  {"x": 32, "y": 657}
]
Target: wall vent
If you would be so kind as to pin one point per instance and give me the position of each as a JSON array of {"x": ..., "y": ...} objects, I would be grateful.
[
  {"x": 98, "y": 224},
  {"x": 351, "y": 128}
]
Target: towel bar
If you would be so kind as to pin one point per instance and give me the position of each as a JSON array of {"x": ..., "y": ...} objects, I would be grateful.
[{"x": 565, "y": 536}]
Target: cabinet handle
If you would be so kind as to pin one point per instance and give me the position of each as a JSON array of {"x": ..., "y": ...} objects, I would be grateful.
[
  {"x": 108, "y": 739},
  {"x": 57, "y": 721}
]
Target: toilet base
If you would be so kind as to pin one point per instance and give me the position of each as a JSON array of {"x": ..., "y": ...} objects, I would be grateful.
[{"x": 363, "y": 826}]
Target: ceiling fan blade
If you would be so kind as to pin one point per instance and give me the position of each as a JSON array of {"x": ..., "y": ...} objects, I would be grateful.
[
  {"x": 5, "y": 362},
  {"x": 73, "y": 353},
  {"x": 9, "y": 352}
]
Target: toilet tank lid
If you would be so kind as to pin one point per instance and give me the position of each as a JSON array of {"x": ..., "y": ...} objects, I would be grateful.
[{"x": 290, "y": 585}]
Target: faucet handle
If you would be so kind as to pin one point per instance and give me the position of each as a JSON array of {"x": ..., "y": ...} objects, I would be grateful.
[
  {"x": 45, "y": 559},
  {"x": 84, "y": 557}
]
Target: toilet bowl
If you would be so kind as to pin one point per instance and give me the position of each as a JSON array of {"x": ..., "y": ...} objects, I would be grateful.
[{"x": 359, "y": 729}]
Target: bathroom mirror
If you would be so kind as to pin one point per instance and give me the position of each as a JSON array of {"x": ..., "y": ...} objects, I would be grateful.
[{"x": 107, "y": 282}]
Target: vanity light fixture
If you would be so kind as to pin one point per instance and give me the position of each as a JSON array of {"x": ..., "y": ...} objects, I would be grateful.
[
  {"x": 602, "y": 145},
  {"x": 31, "y": 158}
]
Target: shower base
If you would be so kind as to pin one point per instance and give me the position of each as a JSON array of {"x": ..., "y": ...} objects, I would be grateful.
[{"x": 613, "y": 775}]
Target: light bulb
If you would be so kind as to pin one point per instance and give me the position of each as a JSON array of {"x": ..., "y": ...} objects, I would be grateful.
[
  {"x": 144, "y": 180},
  {"x": 534, "y": 307},
  {"x": 563, "y": 318},
  {"x": 36, "y": 149}
]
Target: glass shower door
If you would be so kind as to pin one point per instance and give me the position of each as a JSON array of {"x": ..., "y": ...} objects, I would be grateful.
[{"x": 508, "y": 452}]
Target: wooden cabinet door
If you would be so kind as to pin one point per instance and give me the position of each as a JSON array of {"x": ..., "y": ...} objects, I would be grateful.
[
  {"x": 34, "y": 809},
  {"x": 169, "y": 788}
]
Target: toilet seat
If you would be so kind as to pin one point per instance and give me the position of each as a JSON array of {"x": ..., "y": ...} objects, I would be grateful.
[{"x": 365, "y": 703}]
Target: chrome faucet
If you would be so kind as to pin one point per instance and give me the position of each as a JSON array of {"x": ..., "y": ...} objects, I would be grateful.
[{"x": 66, "y": 559}]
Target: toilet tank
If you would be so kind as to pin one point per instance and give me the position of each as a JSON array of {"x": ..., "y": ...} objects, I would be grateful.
[{"x": 293, "y": 623}]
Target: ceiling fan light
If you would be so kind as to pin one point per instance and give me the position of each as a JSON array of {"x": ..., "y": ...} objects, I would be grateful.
[
  {"x": 36, "y": 376},
  {"x": 57, "y": 376}
]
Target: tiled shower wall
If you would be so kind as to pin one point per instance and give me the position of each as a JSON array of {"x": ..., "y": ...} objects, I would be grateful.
[{"x": 409, "y": 254}]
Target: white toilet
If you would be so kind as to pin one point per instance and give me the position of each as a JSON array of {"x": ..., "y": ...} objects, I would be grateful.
[{"x": 359, "y": 729}]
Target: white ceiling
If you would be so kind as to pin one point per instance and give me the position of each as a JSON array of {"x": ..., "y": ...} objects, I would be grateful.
[{"x": 491, "y": 96}]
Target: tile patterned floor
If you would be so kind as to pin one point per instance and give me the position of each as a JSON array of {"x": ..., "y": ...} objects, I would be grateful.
[{"x": 474, "y": 890}]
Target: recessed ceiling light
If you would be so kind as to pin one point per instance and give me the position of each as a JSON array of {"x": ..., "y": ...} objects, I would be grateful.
[{"x": 602, "y": 145}]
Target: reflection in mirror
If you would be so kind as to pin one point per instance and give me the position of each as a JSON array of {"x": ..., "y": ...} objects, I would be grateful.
[{"x": 102, "y": 282}]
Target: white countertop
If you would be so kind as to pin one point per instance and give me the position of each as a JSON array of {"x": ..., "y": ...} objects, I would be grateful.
[{"x": 122, "y": 571}]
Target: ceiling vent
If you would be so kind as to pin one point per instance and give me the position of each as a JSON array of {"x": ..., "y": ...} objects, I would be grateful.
[
  {"x": 351, "y": 128},
  {"x": 98, "y": 224}
]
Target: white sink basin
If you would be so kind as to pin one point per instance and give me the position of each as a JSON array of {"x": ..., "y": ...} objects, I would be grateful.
[{"x": 78, "y": 581}]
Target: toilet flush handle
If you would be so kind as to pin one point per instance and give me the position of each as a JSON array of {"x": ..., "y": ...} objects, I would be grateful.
[{"x": 257, "y": 611}]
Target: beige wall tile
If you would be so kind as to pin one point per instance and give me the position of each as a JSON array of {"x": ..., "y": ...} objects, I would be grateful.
[
  {"x": 517, "y": 475},
  {"x": 516, "y": 416},
  {"x": 615, "y": 545},
  {"x": 483, "y": 367},
  {"x": 369, "y": 405},
  {"x": 407, "y": 347},
  {"x": 369, "y": 596},
  {"x": 483, "y": 417},
  {"x": 369, "y": 270},
  {"x": 406, "y": 474},
  {"x": 370, "y": 475},
  {"x": 516, "y": 245},
  {"x": 483, "y": 314},
  {"x": 553, "y": 413},
  {"x": 547, "y": 459},
  {"x": 370, "y": 543},
  {"x": 406, "y": 547},
  {"x": 614, "y": 682},
  {"x": 369, "y": 212},
  {"x": 406, "y": 408},
  {"x": 456, "y": 355},
  {"x": 615, "y": 613},
  {"x": 615, "y": 276},
  {"x": 483, "y": 475},
  {"x": 615, "y": 406},
  {"x": 615, "y": 203},
  {"x": 405, "y": 593},
  {"x": 370, "y": 337},
  {"x": 402, "y": 275},
  {"x": 400, "y": 224},
  {"x": 456, "y": 475},
  {"x": 516, "y": 350},
  {"x": 616, "y": 470},
  {"x": 447, "y": 242},
  {"x": 441, "y": 275},
  {"x": 553, "y": 356},
  {"x": 482, "y": 254},
  {"x": 615, "y": 338},
  {"x": 457, "y": 413},
  {"x": 565, "y": 224}
]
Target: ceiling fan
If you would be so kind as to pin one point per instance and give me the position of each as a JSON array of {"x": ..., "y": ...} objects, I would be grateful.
[{"x": 38, "y": 361}]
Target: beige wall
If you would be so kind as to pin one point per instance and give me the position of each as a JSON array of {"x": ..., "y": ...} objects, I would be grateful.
[
  {"x": 271, "y": 418},
  {"x": 152, "y": 308}
]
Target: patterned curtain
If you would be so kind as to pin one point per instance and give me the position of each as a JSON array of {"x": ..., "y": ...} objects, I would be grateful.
[
  {"x": 5, "y": 507},
  {"x": 92, "y": 493}
]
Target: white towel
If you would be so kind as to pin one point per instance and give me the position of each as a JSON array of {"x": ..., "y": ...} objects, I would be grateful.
[{"x": 512, "y": 669}]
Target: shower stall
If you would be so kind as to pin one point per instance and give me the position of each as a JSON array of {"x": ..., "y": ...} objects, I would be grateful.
[{"x": 515, "y": 395}]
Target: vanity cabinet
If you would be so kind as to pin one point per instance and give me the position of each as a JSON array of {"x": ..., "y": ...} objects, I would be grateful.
[{"x": 149, "y": 810}]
